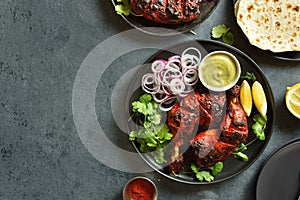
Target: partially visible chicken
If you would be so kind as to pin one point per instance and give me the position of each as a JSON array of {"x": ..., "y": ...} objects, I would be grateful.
[{"x": 167, "y": 11}]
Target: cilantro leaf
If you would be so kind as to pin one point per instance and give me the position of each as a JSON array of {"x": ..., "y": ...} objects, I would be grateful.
[
  {"x": 202, "y": 175},
  {"x": 260, "y": 119},
  {"x": 217, "y": 168},
  {"x": 194, "y": 168},
  {"x": 259, "y": 126},
  {"x": 139, "y": 107},
  {"x": 219, "y": 31},
  {"x": 241, "y": 155},
  {"x": 145, "y": 98},
  {"x": 249, "y": 76},
  {"x": 228, "y": 38},
  {"x": 158, "y": 156},
  {"x": 152, "y": 134},
  {"x": 209, "y": 174},
  {"x": 205, "y": 175},
  {"x": 122, "y": 9},
  {"x": 222, "y": 31},
  {"x": 238, "y": 152},
  {"x": 241, "y": 148}
]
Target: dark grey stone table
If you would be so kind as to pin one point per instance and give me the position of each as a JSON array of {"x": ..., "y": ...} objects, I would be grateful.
[{"x": 46, "y": 145}]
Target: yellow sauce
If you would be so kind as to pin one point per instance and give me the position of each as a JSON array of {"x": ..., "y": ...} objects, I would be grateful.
[{"x": 218, "y": 70}]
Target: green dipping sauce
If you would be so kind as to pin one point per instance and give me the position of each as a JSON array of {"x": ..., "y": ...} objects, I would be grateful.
[{"x": 218, "y": 70}]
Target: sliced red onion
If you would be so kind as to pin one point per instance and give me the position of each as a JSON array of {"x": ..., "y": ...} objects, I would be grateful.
[
  {"x": 175, "y": 64},
  {"x": 158, "y": 65},
  {"x": 191, "y": 49},
  {"x": 190, "y": 76},
  {"x": 168, "y": 104},
  {"x": 190, "y": 61},
  {"x": 176, "y": 57},
  {"x": 172, "y": 78},
  {"x": 190, "y": 57},
  {"x": 160, "y": 97},
  {"x": 149, "y": 84},
  {"x": 170, "y": 74},
  {"x": 177, "y": 86},
  {"x": 166, "y": 90},
  {"x": 187, "y": 90}
]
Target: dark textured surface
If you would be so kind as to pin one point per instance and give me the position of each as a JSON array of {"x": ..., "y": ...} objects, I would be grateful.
[{"x": 43, "y": 44}]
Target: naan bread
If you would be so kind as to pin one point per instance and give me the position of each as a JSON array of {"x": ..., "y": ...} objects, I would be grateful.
[{"x": 270, "y": 24}]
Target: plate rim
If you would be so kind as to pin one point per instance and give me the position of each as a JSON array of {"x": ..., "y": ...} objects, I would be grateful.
[{"x": 272, "y": 101}]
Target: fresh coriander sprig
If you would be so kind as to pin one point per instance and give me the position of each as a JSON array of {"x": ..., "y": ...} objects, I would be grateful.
[
  {"x": 259, "y": 126},
  {"x": 249, "y": 76},
  {"x": 123, "y": 8},
  {"x": 222, "y": 31},
  {"x": 153, "y": 135},
  {"x": 239, "y": 152},
  {"x": 209, "y": 174}
]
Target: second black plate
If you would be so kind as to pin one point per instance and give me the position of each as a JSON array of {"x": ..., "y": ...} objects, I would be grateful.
[
  {"x": 154, "y": 28},
  {"x": 280, "y": 176}
]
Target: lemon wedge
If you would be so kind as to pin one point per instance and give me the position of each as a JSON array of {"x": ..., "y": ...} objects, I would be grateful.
[
  {"x": 292, "y": 99},
  {"x": 246, "y": 97},
  {"x": 259, "y": 98}
]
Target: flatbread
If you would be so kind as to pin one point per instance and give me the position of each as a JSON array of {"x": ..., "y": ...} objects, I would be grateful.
[{"x": 270, "y": 24}]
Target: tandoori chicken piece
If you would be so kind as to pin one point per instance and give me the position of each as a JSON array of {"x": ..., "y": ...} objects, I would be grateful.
[
  {"x": 208, "y": 149},
  {"x": 216, "y": 145},
  {"x": 167, "y": 11},
  {"x": 201, "y": 108},
  {"x": 234, "y": 128}
]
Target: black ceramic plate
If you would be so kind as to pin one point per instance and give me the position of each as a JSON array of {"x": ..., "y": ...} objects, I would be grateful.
[
  {"x": 289, "y": 55},
  {"x": 280, "y": 176},
  {"x": 232, "y": 166},
  {"x": 153, "y": 28}
]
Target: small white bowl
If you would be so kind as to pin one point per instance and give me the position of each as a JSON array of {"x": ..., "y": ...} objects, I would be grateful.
[
  {"x": 219, "y": 71},
  {"x": 144, "y": 182}
]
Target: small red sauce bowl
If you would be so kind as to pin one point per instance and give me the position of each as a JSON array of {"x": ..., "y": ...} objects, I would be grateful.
[{"x": 140, "y": 188}]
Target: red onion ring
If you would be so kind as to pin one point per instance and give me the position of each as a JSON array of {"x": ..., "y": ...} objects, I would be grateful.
[{"x": 172, "y": 78}]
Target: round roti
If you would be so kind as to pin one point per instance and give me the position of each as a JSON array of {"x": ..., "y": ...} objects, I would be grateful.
[{"x": 270, "y": 24}]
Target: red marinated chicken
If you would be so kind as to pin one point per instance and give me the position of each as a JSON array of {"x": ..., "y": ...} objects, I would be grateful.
[
  {"x": 201, "y": 108},
  {"x": 208, "y": 149},
  {"x": 215, "y": 145},
  {"x": 167, "y": 11},
  {"x": 197, "y": 109},
  {"x": 235, "y": 125}
]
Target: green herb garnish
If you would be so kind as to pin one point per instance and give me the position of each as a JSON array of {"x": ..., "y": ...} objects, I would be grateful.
[
  {"x": 259, "y": 126},
  {"x": 123, "y": 8},
  {"x": 152, "y": 135},
  {"x": 217, "y": 168},
  {"x": 239, "y": 152},
  {"x": 222, "y": 31},
  {"x": 249, "y": 76},
  {"x": 209, "y": 174}
]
